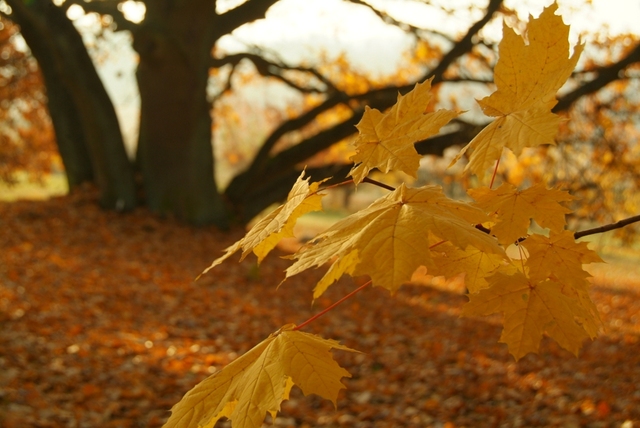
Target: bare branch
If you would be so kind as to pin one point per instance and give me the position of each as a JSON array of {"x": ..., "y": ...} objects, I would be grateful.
[
  {"x": 381, "y": 98},
  {"x": 606, "y": 228},
  {"x": 248, "y": 11},
  {"x": 606, "y": 75},
  {"x": 408, "y": 28},
  {"x": 276, "y": 69},
  {"x": 465, "y": 44},
  {"x": 227, "y": 86},
  {"x": 378, "y": 183}
]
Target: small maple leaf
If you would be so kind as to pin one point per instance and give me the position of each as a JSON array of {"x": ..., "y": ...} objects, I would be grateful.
[
  {"x": 265, "y": 235},
  {"x": 386, "y": 140},
  {"x": 561, "y": 258},
  {"x": 513, "y": 209},
  {"x": 392, "y": 237},
  {"x": 256, "y": 383},
  {"x": 527, "y": 79},
  {"x": 476, "y": 265},
  {"x": 531, "y": 308},
  {"x": 559, "y": 255}
]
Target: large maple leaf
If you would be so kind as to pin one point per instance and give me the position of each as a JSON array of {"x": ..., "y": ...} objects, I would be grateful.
[
  {"x": 265, "y": 234},
  {"x": 561, "y": 258},
  {"x": 531, "y": 308},
  {"x": 386, "y": 140},
  {"x": 390, "y": 239},
  {"x": 256, "y": 383},
  {"x": 476, "y": 264},
  {"x": 527, "y": 79},
  {"x": 559, "y": 255},
  {"x": 513, "y": 209}
]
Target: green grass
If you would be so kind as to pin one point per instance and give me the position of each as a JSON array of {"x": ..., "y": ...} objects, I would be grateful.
[{"x": 51, "y": 185}]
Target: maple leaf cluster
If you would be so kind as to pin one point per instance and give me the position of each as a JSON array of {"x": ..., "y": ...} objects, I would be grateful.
[{"x": 536, "y": 280}]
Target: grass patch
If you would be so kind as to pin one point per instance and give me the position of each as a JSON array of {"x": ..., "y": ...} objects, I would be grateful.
[{"x": 50, "y": 186}]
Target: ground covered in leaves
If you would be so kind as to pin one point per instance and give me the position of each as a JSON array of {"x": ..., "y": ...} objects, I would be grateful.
[{"x": 101, "y": 325}]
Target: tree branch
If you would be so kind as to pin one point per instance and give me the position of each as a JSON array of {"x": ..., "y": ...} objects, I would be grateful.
[
  {"x": 606, "y": 228},
  {"x": 465, "y": 44},
  {"x": 381, "y": 98},
  {"x": 248, "y": 11},
  {"x": 272, "y": 69},
  {"x": 606, "y": 75},
  {"x": 388, "y": 19}
]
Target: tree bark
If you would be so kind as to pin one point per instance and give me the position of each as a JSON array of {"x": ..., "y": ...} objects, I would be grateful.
[
  {"x": 175, "y": 153},
  {"x": 86, "y": 126}
]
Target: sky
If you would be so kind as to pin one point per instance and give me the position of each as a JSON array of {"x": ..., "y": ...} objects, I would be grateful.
[{"x": 338, "y": 26}]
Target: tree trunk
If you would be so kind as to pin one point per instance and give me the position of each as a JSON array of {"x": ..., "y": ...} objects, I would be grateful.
[
  {"x": 175, "y": 152},
  {"x": 84, "y": 119}
]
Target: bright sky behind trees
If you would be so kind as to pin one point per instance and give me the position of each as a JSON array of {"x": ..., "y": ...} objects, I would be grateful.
[{"x": 298, "y": 29}]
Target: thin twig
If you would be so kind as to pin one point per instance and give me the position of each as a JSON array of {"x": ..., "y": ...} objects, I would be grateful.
[
  {"x": 324, "y": 311},
  {"x": 582, "y": 233},
  {"x": 607, "y": 227},
  {"x": 332, "y": 186},
  {"x": 436, "y": 244},
  {"x": 378, "y": 183}
]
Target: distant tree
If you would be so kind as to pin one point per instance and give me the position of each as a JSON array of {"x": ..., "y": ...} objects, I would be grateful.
[{"x": 175, "y": 43}]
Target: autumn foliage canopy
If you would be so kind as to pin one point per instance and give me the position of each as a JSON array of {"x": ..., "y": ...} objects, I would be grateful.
[{"x": 536, "y": 280}]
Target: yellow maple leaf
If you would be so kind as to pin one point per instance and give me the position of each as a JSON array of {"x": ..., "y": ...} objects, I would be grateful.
[
  {"x": 346, "y": 264},
  {"x": 560, "y": 257},
  {"x": 256, "y": 383},
  {"x": 531, "y": 308},
  {"x": 527, "y": 78},
  {"x": 476, "y": 265},
  {"x": 265, "y": 234},
  {"x": 392, "y": 236},
  {"x": 386, "y": 140},
  {"x": 513, "y": 209}
]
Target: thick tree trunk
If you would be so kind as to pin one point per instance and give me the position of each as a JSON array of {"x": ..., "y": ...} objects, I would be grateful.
[
  {"x": 175, "y": 152},
  {"x": 86, "y": 126}
]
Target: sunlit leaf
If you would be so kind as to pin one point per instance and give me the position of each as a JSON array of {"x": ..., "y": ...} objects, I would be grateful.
[
  {"x": 386, "y": 140},
  {"x": 531, "y": 308},
  {"x": 392, "y": 236},
  {"x": 256, "y": 383},
  {"x": 265, "y": 235},
  {"x": 513, "y": 209},
  {"x": 527, "y": 77}
]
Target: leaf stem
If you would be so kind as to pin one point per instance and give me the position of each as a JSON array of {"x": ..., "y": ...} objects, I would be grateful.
[
  {"x": 436, "y": 244},
  {"x": 607, "y": 227},
  {"x": 378, "y": 183},
  {"x": 342, "y": 183},
  {"x": 493, "y": 177},
  {"x": 324, "y": 311}
]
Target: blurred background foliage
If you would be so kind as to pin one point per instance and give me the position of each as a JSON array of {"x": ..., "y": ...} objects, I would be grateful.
[{"x": 279, "y": 103}]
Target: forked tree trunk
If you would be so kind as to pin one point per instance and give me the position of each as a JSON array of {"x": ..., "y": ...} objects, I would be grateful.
[
  {"x": 175, "y": 153},
  {"x": 84, "y": 119}
]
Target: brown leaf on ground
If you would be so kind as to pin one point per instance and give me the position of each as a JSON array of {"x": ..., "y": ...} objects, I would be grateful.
[{"x": 101, "y": 325}]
